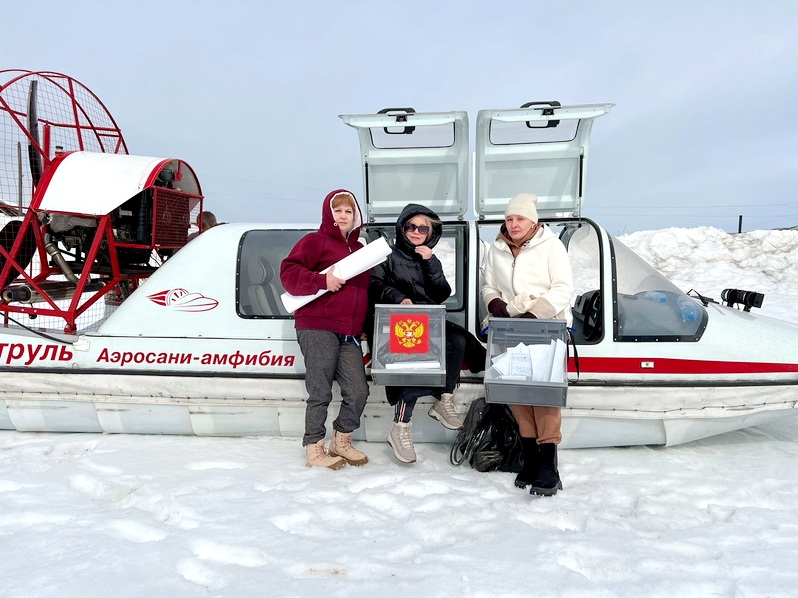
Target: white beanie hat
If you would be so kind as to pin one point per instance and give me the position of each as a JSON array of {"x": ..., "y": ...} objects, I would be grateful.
[{"x": 523, "y": 204}]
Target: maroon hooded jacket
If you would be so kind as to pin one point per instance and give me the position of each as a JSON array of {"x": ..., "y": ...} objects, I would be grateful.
[{"x": 345, "y": 310}]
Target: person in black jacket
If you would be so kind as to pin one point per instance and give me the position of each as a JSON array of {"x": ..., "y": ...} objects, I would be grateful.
[{"x": 413, "y": 275}]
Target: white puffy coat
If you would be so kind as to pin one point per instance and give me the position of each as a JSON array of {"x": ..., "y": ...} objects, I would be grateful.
[{"x": 538, "y": 280}]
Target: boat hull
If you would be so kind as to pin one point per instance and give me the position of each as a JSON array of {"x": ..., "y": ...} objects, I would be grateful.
[{"x": 596, "y": 415}]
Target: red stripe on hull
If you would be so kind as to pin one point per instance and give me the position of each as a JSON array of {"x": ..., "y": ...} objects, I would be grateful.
[{"x": 658, "y": 365}]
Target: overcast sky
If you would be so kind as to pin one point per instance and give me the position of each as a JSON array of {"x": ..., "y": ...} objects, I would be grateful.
[{"x": 249, "y": 92}]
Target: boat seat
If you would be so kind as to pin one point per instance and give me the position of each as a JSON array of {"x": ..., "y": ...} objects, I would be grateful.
[
  {"x": 588, "y": 309},
  {"x": 567, "y": 232},
  {"x": 264, "y": 297}
]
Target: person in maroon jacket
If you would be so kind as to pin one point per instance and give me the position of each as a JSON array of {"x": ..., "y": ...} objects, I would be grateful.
[{"x": 328, "y": 329}]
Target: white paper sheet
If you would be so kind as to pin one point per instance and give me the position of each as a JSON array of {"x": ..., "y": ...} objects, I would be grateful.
[
  {"x": 502, "y": 361},
  {"x": 559, "y": 367},
  {"x": 520, "y": 365},
  {"x": 540, "y": 357},
  {"x": 549, "y": 361},
  {"x": 355, "y": 263},
  {"x": 414, "y": 365}
]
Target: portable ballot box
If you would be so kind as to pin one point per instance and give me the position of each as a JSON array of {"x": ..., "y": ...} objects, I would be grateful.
[
  {"x": 409, "y": 345},
  {"x": 527, "y": 362}
]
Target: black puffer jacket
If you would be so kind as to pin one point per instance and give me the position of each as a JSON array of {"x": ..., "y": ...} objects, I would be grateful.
[{"x": 405, "y": 275}]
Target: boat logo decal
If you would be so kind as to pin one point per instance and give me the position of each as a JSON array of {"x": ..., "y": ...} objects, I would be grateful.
[{"x": 183, "y": 300}]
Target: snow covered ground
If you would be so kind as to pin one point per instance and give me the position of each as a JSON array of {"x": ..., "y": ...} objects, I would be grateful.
[{"x": 130, "y": 516}]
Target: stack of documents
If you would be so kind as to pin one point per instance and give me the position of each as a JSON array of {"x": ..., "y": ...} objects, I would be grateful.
[{"x": 531, "y": 363}]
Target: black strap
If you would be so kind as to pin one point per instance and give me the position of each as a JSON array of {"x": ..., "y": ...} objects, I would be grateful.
[
  {"x": 572, "y": 343},
  {"x": 705, "y": 300}
]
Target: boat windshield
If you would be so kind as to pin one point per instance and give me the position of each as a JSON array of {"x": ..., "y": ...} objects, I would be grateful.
[{"x": 649, "y": 306}]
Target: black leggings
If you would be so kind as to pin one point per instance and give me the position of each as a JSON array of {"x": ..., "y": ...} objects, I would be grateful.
[{"x": 405, "y": 397}]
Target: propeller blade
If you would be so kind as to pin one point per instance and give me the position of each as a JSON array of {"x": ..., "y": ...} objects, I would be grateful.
[{"x": 34, "y": 156}]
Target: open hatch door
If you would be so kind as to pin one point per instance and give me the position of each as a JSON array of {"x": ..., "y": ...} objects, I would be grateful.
[
  {"x": 541, "y": 148},
  {"x": 411, "y": 157}
]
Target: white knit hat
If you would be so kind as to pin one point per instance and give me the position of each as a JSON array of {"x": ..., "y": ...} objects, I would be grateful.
[{"x": 523, "y": 204}]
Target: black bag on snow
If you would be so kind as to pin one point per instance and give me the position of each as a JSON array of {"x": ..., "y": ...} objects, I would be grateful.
[
  {"x": 505, "y": 438},
  {"x": 474, "y": 442},
  {"x": 470, "y": 434},
  {"x": 489, "y": 439}
]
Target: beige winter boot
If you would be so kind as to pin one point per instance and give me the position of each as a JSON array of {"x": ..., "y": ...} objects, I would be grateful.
[
  {"x": 401, "y": 440},
  {"x": 341, "y": 446},
  {"x": 318, "y": 457},
  {"x": 445, "y": 412}
]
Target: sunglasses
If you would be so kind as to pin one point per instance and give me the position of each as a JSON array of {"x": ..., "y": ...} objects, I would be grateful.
[{"x": 410, "y": 227}]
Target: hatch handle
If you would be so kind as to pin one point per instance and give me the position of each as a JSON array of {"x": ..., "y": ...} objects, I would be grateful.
[
  {"x": 401, "y": 117},
  {"x": 550, "y": 123}
]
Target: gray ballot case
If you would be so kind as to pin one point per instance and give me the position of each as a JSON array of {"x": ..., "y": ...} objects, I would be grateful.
[
  {"x": 409, "y": 345},
  {"x": 527, "y": 362}
]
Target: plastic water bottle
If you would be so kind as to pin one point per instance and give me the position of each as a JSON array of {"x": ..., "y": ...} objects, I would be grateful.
[
  {"x": 689, "y": 309},
  {"x": 656, "y": 296}
]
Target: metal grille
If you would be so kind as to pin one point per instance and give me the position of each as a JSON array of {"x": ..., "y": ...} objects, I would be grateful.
[{"x": 171, "y": 219}]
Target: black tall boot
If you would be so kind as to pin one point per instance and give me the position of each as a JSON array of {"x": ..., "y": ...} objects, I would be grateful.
[
  {"x": 547, "y": 481},
  {"x": 531, "y": 462}
]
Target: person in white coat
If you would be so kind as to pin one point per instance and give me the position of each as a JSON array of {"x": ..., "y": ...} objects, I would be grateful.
[{"x": 527, "y": 274}]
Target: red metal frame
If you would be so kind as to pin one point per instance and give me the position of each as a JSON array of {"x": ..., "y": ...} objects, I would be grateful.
[{"x": 78, "y": 115}]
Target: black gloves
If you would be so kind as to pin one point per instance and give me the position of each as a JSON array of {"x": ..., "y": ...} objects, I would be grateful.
[{"x": 498, "y": 308}]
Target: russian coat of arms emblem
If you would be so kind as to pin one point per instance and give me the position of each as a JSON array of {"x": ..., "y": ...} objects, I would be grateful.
[{"x": 410, "y": 333}]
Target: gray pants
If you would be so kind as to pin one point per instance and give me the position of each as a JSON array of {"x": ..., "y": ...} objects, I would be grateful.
[{"x": 332, "y": 357}]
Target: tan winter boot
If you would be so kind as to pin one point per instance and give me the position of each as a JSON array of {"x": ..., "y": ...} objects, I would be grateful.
[
  {"x": 341, "y": 446},
  {"x": 445, "y": 412},
  {"x": 401, "y": 440},
  {"x": 318, "y": 457}
]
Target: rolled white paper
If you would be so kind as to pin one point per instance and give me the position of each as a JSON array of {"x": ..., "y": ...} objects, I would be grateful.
[{"x": 353, "y": 264}]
